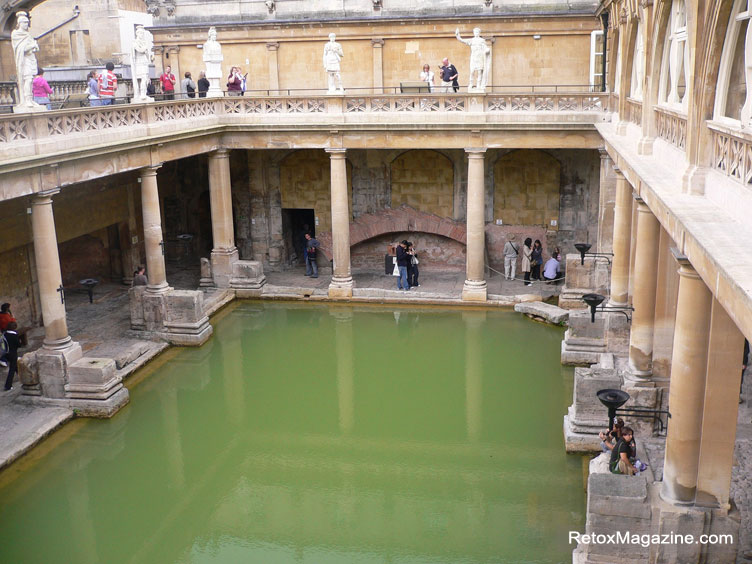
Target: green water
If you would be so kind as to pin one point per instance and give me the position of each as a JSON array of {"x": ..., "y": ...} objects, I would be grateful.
[{"x": 317, "y": 434}]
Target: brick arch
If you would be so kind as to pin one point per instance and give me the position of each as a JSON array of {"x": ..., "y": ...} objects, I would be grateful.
[
  {"x": 399, "y": 220},
  {"x": 424, "y": 180}
]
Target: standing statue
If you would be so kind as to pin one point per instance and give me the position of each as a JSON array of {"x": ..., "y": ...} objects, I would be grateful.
[
  {"x": 142, "y": 55},
  {"x": 213, "y": 59},
  {"x": 332, "y": 56},
  {"x": 480, "y": 60},
  {"x": 24, "y": 49}
]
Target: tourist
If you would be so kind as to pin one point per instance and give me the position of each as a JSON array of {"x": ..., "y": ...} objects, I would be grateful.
[
  {"x": 12, "y": 355},
  {"x": 107, "y": 85},
  {"x": 609, "y": 438},
  {"x": 92, "y": 87},
  {"x": 40, "y": 89},
  {"x": 203, "y": 84},
  {"x": 525, "y": 266},
  {"x": 511, "y": 251},
  {"x": 536, "y": 260},
  {"x": 150, "y": 90},
  {"x": 235, "y": 82},
  {"x": 188, "y": 87},
  {"x": 449, "y": 76},
  {"x": 426, "y": 75},
  {"x": 413, "y": 271},
  {"x": 6, "y": 318},
  {"x": 551, "y": 270},
  {"x": 620, "y": 463},
  {"x": 168, "y": 81},
  {"x": 312, "y": 251},
  {"x": 403, "y": 260},
  {"x": 139, "y": 277}
]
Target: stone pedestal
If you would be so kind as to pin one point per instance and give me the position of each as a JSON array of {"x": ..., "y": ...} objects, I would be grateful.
[
  {"x": 52, "y": 369},
  {"x": 206, "y": 280},
  {"x": 185, "y": 322},
  {"x": 584, "y": 341},
  {"x": 221, "y": 266},
  {"x": 587, "y": 416},
  {"x": 247, "y": 278},
  {"x": 581, "y": 279},
  {"x": 93, "y": 388}
]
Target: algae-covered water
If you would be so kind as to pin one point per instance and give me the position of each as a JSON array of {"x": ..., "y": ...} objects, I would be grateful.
[{"x": 317, "y": 434}]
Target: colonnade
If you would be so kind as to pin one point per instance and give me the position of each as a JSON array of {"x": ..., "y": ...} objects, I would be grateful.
[{"x": 705, "y": 362}]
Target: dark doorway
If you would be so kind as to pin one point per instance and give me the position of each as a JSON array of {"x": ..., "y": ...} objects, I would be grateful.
[{"x": 294, "y": 222}]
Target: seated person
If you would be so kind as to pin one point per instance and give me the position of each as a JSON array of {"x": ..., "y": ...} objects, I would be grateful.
[
  {"x": 610, "y": 438},
  {"x": 551, "y": 269},
  {"x": 620, "y": 463}
]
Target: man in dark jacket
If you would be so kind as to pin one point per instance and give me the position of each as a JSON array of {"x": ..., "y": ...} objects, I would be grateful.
[
  {"x": 12, "y": 357},
  {"x": 403, "y": 259}
]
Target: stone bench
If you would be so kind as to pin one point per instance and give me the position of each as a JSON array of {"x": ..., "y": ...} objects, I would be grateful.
[{"x": 543, "y": 311}]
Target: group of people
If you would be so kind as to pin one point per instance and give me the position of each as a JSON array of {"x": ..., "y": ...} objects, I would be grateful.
[
  {"x": 101, "y": 87},
  {"x": 236, "y": 82},
  {"x": 9, "y": 343},
  {"x": 447, "y": 73},
  {"x": 620, "y": 442},
  {"x": 532, "y": 261},
  {"x": 407, "y": 265}
]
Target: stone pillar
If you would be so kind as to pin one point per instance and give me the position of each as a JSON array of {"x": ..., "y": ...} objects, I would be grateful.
[
  {"x": 667, "y": 289},
  {"x": 341, "y": 285},
  {"x": 378, "y": 65},
  {"x": 643, "y": 300},
  {"x": 622, "y": 239},
  {"x": 224, "y": 252},
  {"x": 719, "y": 413},
  {"x": 606, "y": 195},
  {"x": 48, "y": 271},
  {"x": 475, "y": 288},
  {"x": 686, "y": 396},
  {"x": 155, "y": 261},
  {"x": 131, "y": 256},
  {"x": 273, "y": 57}
]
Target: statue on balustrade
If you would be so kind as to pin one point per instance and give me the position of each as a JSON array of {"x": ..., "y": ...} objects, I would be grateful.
[
  {"x": 213, "y": 58},
  {"x": 25, "y": 48},
  {"x": 480, "y": 60},
  {"x": 332, "y": 56},
  {"x": 142, "y": 56}
]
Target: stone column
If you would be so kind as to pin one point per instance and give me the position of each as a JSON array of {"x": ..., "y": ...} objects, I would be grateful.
[
  {"x": 622, "y": 239},
  {"x": 48, "y": 271},
  {"x": 667, "y": 289},
  {"x": 273, "y": 57},
  {"x": 131, "y": 255},
  {"x": 341, "y": 285},
  {"x": 643, "y": 300},
  {"x": 224, "y": 252},
  {"x": 475, "y": 288},
  {"x": 688, "y": 368},
  {"x": 606, "y": 195},
  {"x": 378, "y": 64},
  {"x": 719, "y": 414},
  {"x": 155, "y": 261}
]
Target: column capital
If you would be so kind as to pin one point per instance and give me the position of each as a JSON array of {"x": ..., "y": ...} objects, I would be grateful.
[
  {"x": 377, "y": 42},
  {"x": 618, "y": 172},
  {"x": 475, "y": 152},
  {"x": 220, "y": 153},
  {"x": 149, "y": 170},
  {"x": 44, "y": 197},
  {"x": 173, "y": 49},
  {"x": 336, "y": 153},
  {"x": 685, "y": 266},
  {"x": 272, "y": 46},
  {"x": 604, "y": 153}
]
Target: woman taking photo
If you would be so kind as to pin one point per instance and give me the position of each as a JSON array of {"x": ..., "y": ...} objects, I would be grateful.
[
  {"x": 234, "y": 83},
  {"x": 427, "y": 76},
  {"x": 527, "y": 251},
  {"x": 536, "y": 259}
]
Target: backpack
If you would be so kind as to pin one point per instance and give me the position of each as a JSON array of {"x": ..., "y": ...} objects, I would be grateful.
[{"x": 4, "y": 347}]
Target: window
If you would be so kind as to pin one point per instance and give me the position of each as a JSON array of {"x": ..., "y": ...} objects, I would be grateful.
[
  {"x": 675, "y": 65},
  {"x": 732, "y": 100}
]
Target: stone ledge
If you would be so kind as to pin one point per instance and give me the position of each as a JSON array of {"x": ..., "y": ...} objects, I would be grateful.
[{"x": 543, "y": 311}]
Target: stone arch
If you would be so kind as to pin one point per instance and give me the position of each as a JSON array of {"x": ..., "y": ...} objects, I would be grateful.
[
  {"x": 305, "y": 182},
  {"x": 424, "y": 180},
  {"x": 526, "y": 188}
]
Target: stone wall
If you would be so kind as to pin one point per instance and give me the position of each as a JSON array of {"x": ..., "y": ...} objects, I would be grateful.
[{"x": 423, "y": 180}]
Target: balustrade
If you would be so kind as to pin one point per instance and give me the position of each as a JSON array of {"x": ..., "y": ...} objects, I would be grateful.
[
  {"x": 732, "y": 152},
  {"x": 671, "y": 126}
]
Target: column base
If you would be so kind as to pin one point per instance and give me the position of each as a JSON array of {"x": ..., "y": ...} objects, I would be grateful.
[
  {"x": 28, "y": 108},
  {"x": 221, "y": 265},
  {"x": 93, "y": 388},
  {"x": 158, "y": 289},
  {"x": 52, "y": 369},
  {"x": 341, "y": 287},
  {"x": 475, "y": 291},
  {"x": 57, "y": 344},
  {"x": 248, "y": 278},
  {"x": 584, "y": 340}
]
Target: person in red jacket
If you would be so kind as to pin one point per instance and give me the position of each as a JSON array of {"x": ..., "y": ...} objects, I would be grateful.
[
  {"x": 107, "y": 85},
  {"x": 168, "y": 81}
]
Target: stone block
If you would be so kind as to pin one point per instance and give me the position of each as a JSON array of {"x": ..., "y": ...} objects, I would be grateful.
[
  {"x": 93, "y": 387},
  {"x": 222, "y": 266},
  {"x": 617, "y": 495},
  {"x": 127, "y": 355},
  {"x": 617, "y": 331},
  {"x": 592, "y": 277},
  {"x": 584, "y": 341},
  {"x": 136, "y": 306},
  {"x": 644, "y": 398},
  {"x": 53, "y": 369},
  {"x": 153, "y": 311},
  {"x": 186, "y": 323},
  {"x": 724, "y": 524},
  {"x": 541, "y": 310},
  {"x": 28, "y": 372},
  {"x": 681, "y": 520},
  {"x": 91, "y": 371},
  {"x": 248, "y": 275},
  {"x": 206, "y": 280}
]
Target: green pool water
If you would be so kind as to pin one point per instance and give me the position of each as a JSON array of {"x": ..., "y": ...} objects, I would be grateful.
[{"x": 317, "y": 434}]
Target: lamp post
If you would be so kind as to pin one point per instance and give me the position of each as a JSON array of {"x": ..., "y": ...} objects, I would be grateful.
[
  {"x": 595, "y": 300},
  {"x": 583, "y": 249}
]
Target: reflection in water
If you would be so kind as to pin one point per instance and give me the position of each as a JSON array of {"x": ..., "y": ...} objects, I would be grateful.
[{"x": 319, "y": 434}]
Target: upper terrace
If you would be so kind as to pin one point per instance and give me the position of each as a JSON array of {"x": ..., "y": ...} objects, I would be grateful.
[{"x": 87, "y": 143}]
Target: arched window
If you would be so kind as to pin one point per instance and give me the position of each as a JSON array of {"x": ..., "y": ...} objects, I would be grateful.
[
  {"x": 638, "y": 65},
  {"x": 733, "y": 101},
  {"x": 675, "y": 65}
]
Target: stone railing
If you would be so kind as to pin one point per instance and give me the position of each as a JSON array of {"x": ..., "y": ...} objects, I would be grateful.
[
  {"x": 732, "y": 152},
  {"x": 634, "y": 111},
  {"x": 671, "y": 126},
  {"x": 7, "y": 93}
]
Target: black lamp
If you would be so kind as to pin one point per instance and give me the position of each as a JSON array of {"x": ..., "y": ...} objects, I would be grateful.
[
  {"x": 584, "y": 248},
  {"x": 613, "y": 400},
  {"x": 595, "y": 300}
]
